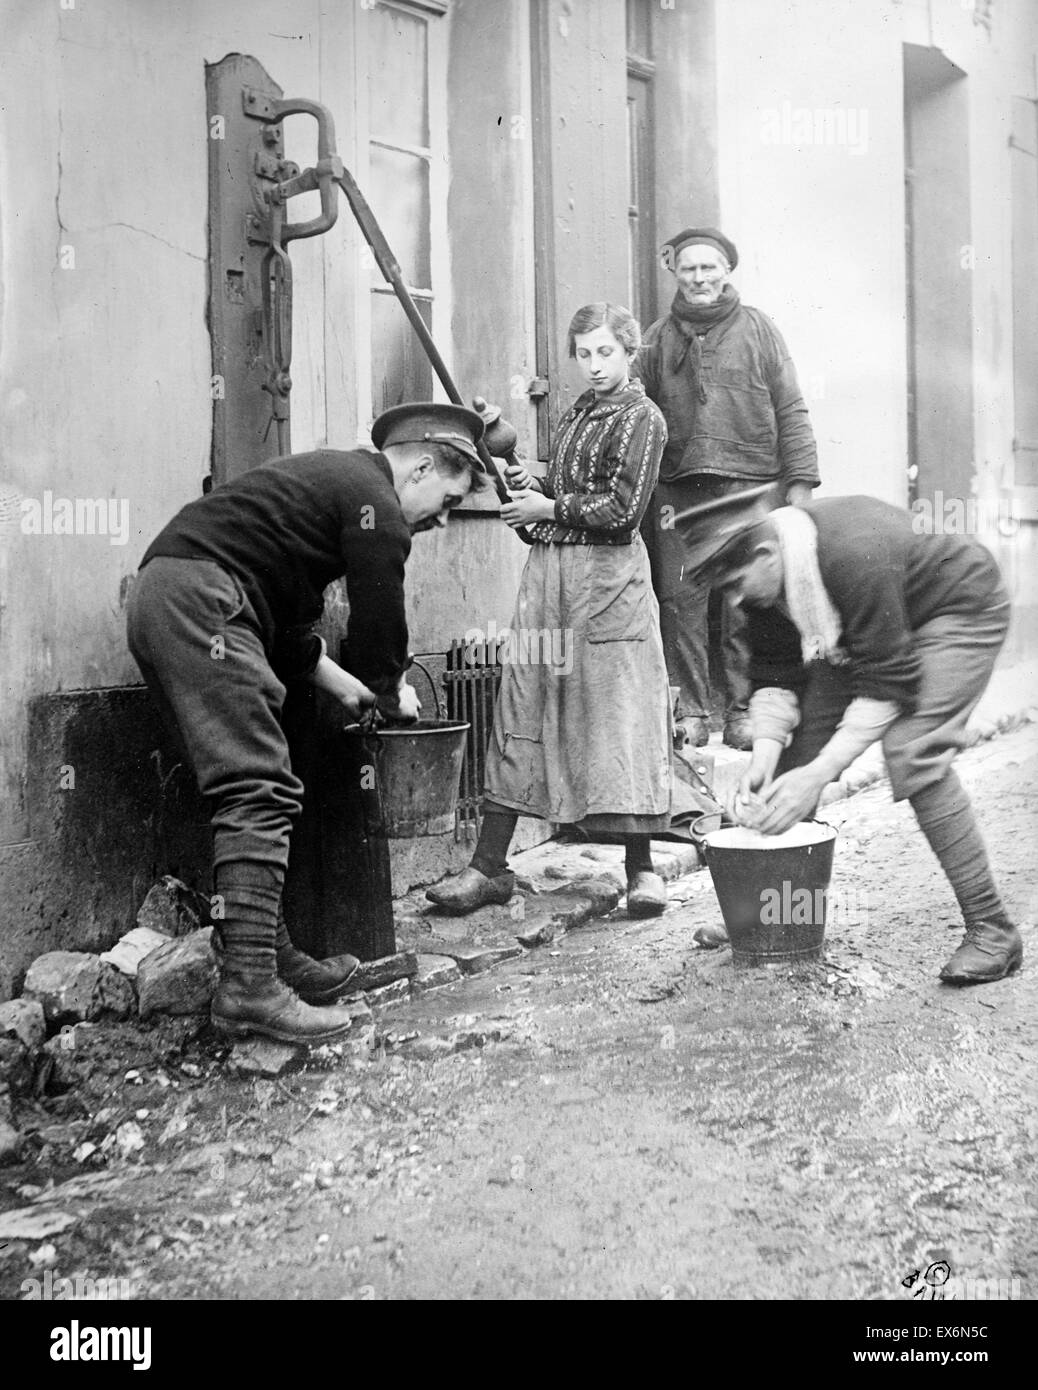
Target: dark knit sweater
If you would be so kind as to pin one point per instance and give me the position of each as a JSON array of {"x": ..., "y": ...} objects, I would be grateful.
[
  {"x": 290, "y": 528},
  {"x": 753, "y": 424},
  {"x": 885, "y": 581}
]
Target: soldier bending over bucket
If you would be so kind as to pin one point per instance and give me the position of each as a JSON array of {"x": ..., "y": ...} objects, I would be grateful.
[{"x": 862, "y": 629}]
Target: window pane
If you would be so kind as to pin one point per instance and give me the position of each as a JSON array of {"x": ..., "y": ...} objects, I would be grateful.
[
  {"x": 400, "y": 201},
  {"x": 400, "y": 370},
  {"x": 397, "y": 84}
]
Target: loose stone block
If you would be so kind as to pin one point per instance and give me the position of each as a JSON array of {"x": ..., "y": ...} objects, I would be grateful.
[
  {"x": 375, "y": 973},
  {"x": 434, "y": 971},
  {"x": 16, "y": 1069},
  {"x": 74, "y": 986},
  {"x": 264, "y": 1057},
  {"x": 389, "y": 994},
  {"x": 473, "y": 960},
  {"x": 172, "y": 908},
  {"x": 128, "y": 952},
  {"x": 25, "y": 1020},
  {"x": 178, "y": 978}
]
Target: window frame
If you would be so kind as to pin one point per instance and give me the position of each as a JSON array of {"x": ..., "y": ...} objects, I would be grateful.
[{"x": 437, "y": 294}]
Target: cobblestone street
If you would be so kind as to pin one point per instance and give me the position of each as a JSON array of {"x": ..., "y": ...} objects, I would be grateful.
[{"x": 615, "y": 1114}]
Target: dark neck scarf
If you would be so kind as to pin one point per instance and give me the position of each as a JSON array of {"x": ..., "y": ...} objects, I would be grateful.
[{"x": 691, "y": 320}]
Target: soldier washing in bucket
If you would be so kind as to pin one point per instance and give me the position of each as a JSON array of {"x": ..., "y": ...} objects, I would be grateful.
[
  {"x": 219, "y": 621},
  {"x": 861, "y": 629}
]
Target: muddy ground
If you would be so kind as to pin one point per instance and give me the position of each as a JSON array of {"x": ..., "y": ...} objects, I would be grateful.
[{"x": 628, "y": 1116}]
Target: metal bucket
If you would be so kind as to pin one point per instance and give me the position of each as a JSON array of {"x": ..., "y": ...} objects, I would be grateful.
[
  {"x": 419, "y": 768},
  {"x": 773, "y": 890}
]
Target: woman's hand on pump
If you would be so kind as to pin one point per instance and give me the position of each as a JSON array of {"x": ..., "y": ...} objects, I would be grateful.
[
  {"x": 518, "y": 479},
  {"x": 526, "y": 507}
]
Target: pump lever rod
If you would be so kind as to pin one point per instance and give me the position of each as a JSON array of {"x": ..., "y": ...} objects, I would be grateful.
[
  {"x": 390, "y": 268},
  {"x": 330, "y": 170}
]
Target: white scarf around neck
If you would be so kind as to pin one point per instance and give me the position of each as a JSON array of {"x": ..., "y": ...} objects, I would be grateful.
[{"x": 810, "y": 606}]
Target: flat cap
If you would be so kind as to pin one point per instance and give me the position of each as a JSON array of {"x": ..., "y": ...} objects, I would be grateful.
[
  {"x": 421, "y": 422},
  {"x": 699, "y": 236},
  {"x": 709, "y": 527}
]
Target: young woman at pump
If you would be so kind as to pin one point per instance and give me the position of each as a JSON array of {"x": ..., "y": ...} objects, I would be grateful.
[{"x": 581, "y": 728}]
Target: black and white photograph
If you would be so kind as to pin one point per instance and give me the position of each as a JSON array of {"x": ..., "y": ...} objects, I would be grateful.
[{"x": 519, "y": 667}]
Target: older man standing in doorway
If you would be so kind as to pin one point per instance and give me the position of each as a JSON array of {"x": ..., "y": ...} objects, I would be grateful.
[{"x": 722, "y": 376}]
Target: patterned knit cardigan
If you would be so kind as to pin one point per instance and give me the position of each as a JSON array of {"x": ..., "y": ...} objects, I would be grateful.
[{"x": 603, "y": 468}]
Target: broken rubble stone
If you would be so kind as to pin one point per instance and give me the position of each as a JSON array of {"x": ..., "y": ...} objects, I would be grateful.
[
  {"x": 358, "y": 1008},
  {"x": 24, "y": 1018},
  {"x": 563, "y": 910},
  {"x": 389, "y": 994},
  {"x": 74, "y": 986},
  {"x": 10, "y": 1144},
  {"x": 263, "y": 1057},
  {"x": 361, "y": 1041},
  {"x": 178, "y": 978},
  {"x": 469, "y": 1038},
  {"x": 473, "y": 960},
  {"x": 68, "y": 1053},
  {"x": 127, "y": 1140},
  {"x": 10, "y": 1139},
  {"x": 374, "y": 973},
  {"x": 16, "y": 1066},
  {"x": 172, "y": 908},
  {"x": 428, "y": 1049},
  {"x": 34, "y": 1223},
  {"x": 434, "y": 971},
  {"x": 541, "y": 935},
  {"x": 128, "y": 952},
  {"x": 603, "y": 890},
  {"x": 600, "y": 852},
  {"x": 80, "y": 1056}
]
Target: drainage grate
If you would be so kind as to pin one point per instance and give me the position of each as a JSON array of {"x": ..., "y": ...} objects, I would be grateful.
[{"x": 471, "y": 679}]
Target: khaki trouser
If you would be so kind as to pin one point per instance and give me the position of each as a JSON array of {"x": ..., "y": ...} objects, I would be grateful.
[
  {"x": 957, "y": 653},
  {"x": 195, "y": 636}
]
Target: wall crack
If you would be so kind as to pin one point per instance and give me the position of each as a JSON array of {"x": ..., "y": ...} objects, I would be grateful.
[{"x": 172, "y": 245}]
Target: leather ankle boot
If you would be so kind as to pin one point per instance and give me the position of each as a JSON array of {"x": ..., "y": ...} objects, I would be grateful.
[
  {"x": 990, "y": 950},
  {"x": 249, "y": 998},
  {"x": 315, "y": 981},
  {"x": 244, "y": 1008}
]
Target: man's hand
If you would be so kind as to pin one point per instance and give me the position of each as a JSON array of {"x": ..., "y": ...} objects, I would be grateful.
[
  {"x": 798, "y": 494},
  {"x": 763, "y": 762},
  {"x": 353, "y": 694},
  {"x": 408, "y": 705},
  {"x": 527, "y": 507},
  {"x": 791, "y": 798},
  {"x": 747, "y": 805}
]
